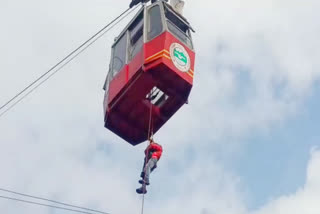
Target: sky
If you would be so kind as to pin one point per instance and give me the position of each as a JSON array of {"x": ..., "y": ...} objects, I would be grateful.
[{"x": 247, "y": 142}]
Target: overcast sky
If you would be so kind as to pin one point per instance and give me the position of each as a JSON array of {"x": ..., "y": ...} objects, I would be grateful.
[{"x": 247, "y": 143}]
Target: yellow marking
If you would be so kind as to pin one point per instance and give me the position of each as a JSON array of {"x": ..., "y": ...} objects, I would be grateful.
[
  {"x": 163, "y": 54},
  {"x": 158, "y": 57},
  {"x": 168, "y": 57},
  {"x": 157, "y": 54},
  {"x": 191, "y": 75},
  {"x": 153, "y": 56}
]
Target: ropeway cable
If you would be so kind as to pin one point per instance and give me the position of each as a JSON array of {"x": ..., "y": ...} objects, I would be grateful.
[
  {"x": 64, "y": 62},
  {"x": 45, "y": 205},
  {"x": 48, "y": 200}
]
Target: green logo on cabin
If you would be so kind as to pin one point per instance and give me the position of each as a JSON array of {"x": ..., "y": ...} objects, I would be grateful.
[{"x": 182, "y": 58}]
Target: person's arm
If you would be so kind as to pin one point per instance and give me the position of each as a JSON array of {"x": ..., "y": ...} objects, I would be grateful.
[{"x": 146, "y": 150}]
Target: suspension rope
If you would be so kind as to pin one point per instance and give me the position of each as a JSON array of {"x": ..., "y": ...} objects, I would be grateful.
[
  {"x": 150, "y": 131},
  {"x": 52, "y": 201},
  {"x": 45, "y": 205},
  {"x": 66, "y": 60},
  {"x": 146, "y": 162},
  {"x": 150, "y": 138},
  {"x": 142, "y": 208}
]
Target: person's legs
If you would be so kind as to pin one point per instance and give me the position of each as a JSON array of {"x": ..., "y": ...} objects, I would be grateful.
[
  {"x": 149, "y": 167},
  {"x": 152, "y": 163},
  {"x": 143, "y": 168},
  {"x": 153, "y": 168},
  {"x": 142, "y": 190}
]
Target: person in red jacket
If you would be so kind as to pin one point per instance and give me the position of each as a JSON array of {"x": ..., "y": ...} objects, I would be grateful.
[{"x": 152, "y": 155}]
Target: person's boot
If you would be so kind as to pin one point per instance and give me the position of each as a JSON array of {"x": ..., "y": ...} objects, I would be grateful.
[
  {"x": 146, "y": 182},
  {"x": 142, "y": 190},
  {"x": 142, "y": 175}
]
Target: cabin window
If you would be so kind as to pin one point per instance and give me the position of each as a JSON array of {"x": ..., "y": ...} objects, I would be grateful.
[
  {"x": 155, "y": 23},
  {"x": 107, "y": 84},
  {"x": 178, "y": 28},
  {"x": 119, "y": 55},
  {"x": 136, "y": 37}
]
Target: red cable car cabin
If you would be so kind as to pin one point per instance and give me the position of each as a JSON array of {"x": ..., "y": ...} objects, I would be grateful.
[{"x": 153, "y": 56}]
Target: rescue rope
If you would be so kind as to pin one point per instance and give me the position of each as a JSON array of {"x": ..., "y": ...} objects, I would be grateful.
[
  {"x": 150, "y": 131},
  {"x": 142, "y": 204},
  {"x": 150, "y": 138}
]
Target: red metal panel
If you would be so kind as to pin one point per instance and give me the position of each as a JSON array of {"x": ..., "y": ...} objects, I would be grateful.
[
  {"x": 170, "y": 39},
  {"x": 163, "y": 43},
  {"x": 123, "y": 77},
  {"x": 154, "y": 46},
  {"x": 153, "y": 66}
]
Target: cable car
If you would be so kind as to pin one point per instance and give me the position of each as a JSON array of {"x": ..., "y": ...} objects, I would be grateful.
[{"x": 152, "y": 57}]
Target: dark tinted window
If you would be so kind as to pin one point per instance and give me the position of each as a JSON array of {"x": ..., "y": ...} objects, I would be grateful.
[
  {"x": 177, "y": 21},
  {"x": 136, "y": 38},
  {"x": 155, "y": 24},
  {"x": 119, "y": 55},
  {"x": 179, "y": 34},
  {"x": 178, "y": 28}
]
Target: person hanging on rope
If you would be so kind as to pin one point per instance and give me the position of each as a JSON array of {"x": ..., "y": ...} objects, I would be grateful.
[{"x": 152, "y": 155}]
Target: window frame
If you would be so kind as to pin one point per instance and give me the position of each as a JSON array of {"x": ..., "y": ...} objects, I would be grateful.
[
  {"x": 187, "y": 34},
  {"x": 126, "y": 31},
  {"x": 110, "y": 76},
  {"x": 129, "y": 31},
  {"x": 147, "y": 20},
  {"x": 125, "y": 62}
]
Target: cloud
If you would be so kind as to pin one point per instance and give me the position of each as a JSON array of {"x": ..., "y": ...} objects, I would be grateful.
[
  {"x": 256, "y": 64},
  {"x": 210, "y": 190},
  {"x": 305, "y": 200}
]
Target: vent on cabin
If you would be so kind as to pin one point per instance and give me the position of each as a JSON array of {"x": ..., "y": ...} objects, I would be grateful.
[{"x": 157, "y": 97}]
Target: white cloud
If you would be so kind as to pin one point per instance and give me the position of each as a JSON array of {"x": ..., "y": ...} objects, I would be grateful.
[
  {"x": 305, "y": 200},
  {"x": 210, "y": 190},
  {"x": 256, "y": 63}
]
